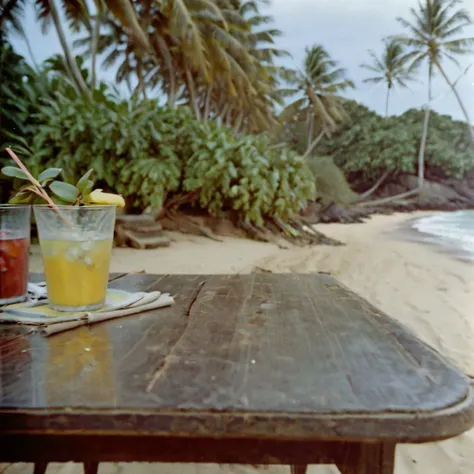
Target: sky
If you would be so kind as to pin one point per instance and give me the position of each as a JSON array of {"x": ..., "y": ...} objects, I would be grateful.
[{"x": 347, "y": 29}]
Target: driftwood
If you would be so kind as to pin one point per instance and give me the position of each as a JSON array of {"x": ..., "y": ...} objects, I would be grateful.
[
  {"x": 139, "y": 231},
  {"x": 188, "y": 224}
]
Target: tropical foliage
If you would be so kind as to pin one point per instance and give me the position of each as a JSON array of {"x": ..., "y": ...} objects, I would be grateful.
[
  {"x": 372, "y": 145},
  {"x": 150, "y": 154},
  {"x": 212, "y": 118}
]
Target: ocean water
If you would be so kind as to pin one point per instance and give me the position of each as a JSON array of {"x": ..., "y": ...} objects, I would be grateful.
[{"x": 453, "y": 229}]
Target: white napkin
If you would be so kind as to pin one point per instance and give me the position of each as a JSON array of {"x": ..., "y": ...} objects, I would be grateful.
[{"x": 37, "y": 291}]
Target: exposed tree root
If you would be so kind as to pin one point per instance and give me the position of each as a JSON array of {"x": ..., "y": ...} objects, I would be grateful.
[
  {"x": 253, "y": 231},
  {"x": 182, "y": 223},
  {"x": 274, "y": 230},
  {"x": 315, "y": 236}
]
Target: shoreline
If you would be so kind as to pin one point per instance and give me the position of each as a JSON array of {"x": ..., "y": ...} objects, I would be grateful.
[
  {"x": 422, "y": 287},
  {"x": 407, "y": 232}
]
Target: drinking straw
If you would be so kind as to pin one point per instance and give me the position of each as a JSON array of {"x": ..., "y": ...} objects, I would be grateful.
[{"x": 39, "y": 189}]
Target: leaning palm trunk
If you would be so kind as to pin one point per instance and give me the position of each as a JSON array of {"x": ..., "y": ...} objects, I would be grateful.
[
  {"x": 192, "y": 93},
  {"x": 141, "y": 81},
  {"x": 458, "y": 97},
  {"x": 386, "y": 174},
  {"x": 94, "y": 46},
  {"x": 376, "y": 185},
  {"x": 313, "y": 145},
  {"x": 207, "y": 106},
  {"x": 383, "y": 201},
  {"x": 223, "y": 113},
  {"x": 70, "y": 75},
  {"x": 310, "y": 131},
  {"x": 238, "y": 122},
  {"x": 424, "y": 136},
  {"x": 30, "y": 51},
  {"x": 76, "y": 73}
]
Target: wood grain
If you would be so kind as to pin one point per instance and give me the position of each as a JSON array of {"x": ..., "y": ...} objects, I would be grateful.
[{"x": 254, "y": 356}]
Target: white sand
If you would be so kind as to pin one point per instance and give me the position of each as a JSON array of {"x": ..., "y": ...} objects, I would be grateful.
[{"x": 427, "y": 290}]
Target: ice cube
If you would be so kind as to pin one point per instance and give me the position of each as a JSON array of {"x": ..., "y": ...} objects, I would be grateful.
[
  {"x": 73, "y": 253},
  {"x": 88, "y": 245}
]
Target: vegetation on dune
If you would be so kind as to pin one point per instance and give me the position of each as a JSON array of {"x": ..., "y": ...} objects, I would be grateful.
[
  {"x": 150, "y": 154},
  {"x": 371, "y": 146}
]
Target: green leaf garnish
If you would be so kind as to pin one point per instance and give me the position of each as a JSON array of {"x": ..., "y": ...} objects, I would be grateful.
[
  {"x": 14, "y": 172},
  {"x": 50, "y": 173},
  {"x": 64, "y": 191}
]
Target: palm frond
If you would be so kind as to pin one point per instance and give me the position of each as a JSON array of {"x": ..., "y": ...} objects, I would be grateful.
[
  {"x": 291, "y": 110},
  {"x": 124, "y": 11},
  {"x": 417, "y": 34},
  {"x": 77, "y": 14},
  {"x": 374, "y": 80},
  {"x": 43, "y": 14},
  {"x": 11, "y": 12}
]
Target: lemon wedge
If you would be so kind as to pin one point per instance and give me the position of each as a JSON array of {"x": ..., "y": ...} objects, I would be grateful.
[{"x": 99, "y": 197}]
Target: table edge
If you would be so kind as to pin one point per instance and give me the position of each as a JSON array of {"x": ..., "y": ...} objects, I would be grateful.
[{"x": 358, "y": 427}]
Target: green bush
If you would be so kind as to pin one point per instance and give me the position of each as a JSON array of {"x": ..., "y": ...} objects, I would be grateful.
[
  {"x": 149, "y": 154},
  {"x": 330, "y": 182},
  {"x": 369, "y": 144}
]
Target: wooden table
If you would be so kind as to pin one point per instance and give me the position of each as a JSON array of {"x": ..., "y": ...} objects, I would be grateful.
[{"x": 256, "y": 369}]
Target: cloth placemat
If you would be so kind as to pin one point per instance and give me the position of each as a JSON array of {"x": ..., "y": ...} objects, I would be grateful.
[{"x": 35, "y": 310}]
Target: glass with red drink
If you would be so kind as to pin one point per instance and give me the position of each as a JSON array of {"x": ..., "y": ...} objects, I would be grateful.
[{"x": 14, "y": 252}]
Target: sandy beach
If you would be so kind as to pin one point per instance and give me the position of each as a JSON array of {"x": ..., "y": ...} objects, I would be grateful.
[{"x": 426, "y": 289}]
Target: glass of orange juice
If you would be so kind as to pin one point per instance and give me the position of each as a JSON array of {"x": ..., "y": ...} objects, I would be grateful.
[{"x": 76, "y": 245}]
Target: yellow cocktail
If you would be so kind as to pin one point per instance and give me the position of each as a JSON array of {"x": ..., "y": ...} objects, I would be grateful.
[
  {"x": 76, "y": 272},
  {"x": 76, "y": 245}
]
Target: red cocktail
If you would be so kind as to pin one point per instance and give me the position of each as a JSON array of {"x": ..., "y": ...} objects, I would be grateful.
[
  {"x": 14, "y": 253},
  {"x": 13, "y": 268}
]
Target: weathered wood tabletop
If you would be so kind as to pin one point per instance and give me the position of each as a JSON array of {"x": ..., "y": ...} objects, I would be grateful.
[{"x": 260, "y": 368}]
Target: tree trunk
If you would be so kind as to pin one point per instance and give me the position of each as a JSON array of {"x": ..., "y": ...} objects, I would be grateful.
[
  {"x": 224, "y": 113},
  {"x": 30, "y": 51},
  {"x": 315, "y": 142},
  {"x": 207, "y": 106},
  {"x": 385, "y": 175},
  {"x": 310, "y": 131},
  {"x": 228, "y": 118},
  {"x": 458, "y": 97},
  {"x": 192, "y": 93},
  {"x": 94, "y": 46},
  {"x": 141, "y": 82},
  {"x": 380, "y": 201},
  {"x": 387, "y": 101},
  {"x": 172, "y": 91},
  {"x": 238, "y": 122},
  {"x": 421, "y": 153},
  {"x": 424, "y": 136},
  {"x": 76, "y": 72},
  {"x": 70, "y": 75},
  {"x": 376, "y": 186}
]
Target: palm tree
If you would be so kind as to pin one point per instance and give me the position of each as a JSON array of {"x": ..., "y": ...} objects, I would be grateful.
[
  {"x": 392, "y": 68},
  {"x": 430, "y": 35},
  {"x": 249, "y": 102},
  {"x": 319, "y": 84},
  {"x": 10, "y": 20},
  {"x": 77, "y": 14}
]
